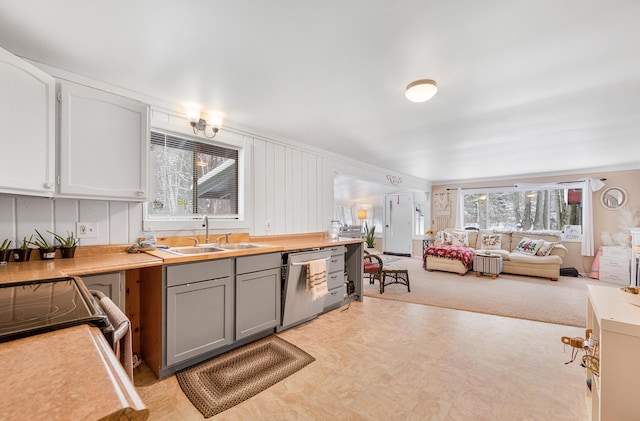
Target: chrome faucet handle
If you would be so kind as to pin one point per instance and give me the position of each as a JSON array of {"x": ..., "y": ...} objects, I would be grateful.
[
  {"x": 218, "y": 240},
  {"x": 196, "y": 242}
]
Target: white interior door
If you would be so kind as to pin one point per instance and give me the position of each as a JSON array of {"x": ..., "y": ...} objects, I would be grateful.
[{"x": 398, "y": 216}]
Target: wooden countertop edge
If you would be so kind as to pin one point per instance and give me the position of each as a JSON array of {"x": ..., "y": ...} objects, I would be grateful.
[
  {"x": 102, "y": 389},
  {"x": 114, "y": 257},
  {"x": 132, "y": 406}
]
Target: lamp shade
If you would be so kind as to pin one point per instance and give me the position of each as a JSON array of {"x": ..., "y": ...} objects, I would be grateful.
[
  {"x": 362, "y": 214},
  {"x": 421, "y": 90}
]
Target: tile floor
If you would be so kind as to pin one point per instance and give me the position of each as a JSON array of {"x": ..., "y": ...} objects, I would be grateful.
[{"x": 388, "y": 360}]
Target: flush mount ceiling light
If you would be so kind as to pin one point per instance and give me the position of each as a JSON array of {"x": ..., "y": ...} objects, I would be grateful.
[
  {"x": 214, "y": 121},
  {"x": 421, "y": 90}
]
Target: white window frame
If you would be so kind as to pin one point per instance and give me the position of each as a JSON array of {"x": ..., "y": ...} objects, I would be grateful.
[
  {"x": 194, "y": 223},
  {"x": 513, "y": 190}
]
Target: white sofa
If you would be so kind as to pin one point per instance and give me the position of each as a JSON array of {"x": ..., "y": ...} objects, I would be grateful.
[{"x": 544, "y": 265}]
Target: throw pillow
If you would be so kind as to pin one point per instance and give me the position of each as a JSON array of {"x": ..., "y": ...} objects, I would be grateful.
[
  {"x": 545, "y": 248},
  {"x": 445, "y": 238},
  {"x": 528, "y": 246},
  {"x": 459, "y": 238},
  {"x": 491, "y": 241}
]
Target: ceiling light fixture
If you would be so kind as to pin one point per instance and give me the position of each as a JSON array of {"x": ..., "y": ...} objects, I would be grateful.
[
  {"x": 199, "y": 124},
  {"x": 421, "y": 90}
]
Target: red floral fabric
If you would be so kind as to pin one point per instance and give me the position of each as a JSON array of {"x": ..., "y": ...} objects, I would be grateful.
[{"x": 464, "y": 254}]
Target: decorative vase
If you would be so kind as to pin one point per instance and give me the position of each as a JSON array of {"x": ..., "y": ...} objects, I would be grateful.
[
  {"x": 5, "y": 255},
  {"x": 68, "y": 252},
  {"x": 47, "y": 253},
  {"x": 21, "y": 255}
]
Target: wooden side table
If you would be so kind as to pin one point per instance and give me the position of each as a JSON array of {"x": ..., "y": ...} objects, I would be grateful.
[{"x": 490, "y": 264}]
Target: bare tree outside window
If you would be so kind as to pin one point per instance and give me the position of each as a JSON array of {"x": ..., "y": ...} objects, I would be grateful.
[{"x": 191, "y": 177}]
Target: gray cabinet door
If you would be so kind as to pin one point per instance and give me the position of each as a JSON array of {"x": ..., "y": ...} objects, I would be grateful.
[
  {"x": 257, "y": 302},
  {"x": 110, "y": 284},
  {"x": 199, "y": 318}
]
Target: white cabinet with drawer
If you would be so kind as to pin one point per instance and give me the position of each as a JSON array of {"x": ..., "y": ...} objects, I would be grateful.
[{"x": 615, "y": 265}]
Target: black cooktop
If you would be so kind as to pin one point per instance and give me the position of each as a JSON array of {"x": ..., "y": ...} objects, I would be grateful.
[{"x": 33, "y": 307}]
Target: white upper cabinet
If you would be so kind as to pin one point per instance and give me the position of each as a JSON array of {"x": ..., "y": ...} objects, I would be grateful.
[
  {"x": 103, "y": 145},
  {"x": 27, "y": 128}
]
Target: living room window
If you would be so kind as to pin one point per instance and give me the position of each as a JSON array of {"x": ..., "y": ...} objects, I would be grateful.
[
  {"x": 190, "y": 177},
  {"x": 530, "y": 210}
]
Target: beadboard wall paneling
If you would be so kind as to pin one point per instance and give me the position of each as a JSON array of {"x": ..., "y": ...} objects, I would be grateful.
[
  {"x": 285, "y": 194},
  {"x": 34, "y": 213},
  {"x": 259, "y": 186},
  {"x": 8, "y": 220},
  {"x": 117, "y": 222},
  {"x": 280, "y": 213},
  {"x": 65, "y": 216}
]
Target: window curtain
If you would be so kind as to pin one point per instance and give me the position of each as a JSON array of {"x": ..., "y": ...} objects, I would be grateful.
[
  {"x": 588, "y": 186},
  {"x": 459, "y": 209}
]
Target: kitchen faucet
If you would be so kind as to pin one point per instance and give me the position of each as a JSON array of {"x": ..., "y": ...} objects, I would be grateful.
[
  {"x": 205, "y": 224},
  {"x": 226, "y": 238}
]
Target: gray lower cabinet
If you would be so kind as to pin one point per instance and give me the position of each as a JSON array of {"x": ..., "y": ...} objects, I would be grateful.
[
  {"x": 110, "y": 284},
  {"x": 199, "y": 309},
  {"x": 258, "y": 294},
  {"x": 335, "y": 279}
]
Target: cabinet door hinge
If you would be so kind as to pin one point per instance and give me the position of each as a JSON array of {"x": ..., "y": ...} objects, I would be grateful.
[{"x": 59, "y": 96}]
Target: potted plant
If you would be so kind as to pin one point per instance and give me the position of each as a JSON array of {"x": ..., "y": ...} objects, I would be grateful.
[
  {"x": 68, "y": 244},
  {"x": 47, "y": 251},
  {"x": 5, "y": 251},
  {"x": 23, "y": 253},
  {"x": 370, "y": 236}
]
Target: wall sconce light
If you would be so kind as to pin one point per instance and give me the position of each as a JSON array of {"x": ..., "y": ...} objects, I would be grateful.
[{"x": 200, "y": 124}]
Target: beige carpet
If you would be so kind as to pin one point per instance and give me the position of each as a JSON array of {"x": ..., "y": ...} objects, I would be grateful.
[
  {"x": 563, "y": 302},
  {"x": 223, "y": 382}
]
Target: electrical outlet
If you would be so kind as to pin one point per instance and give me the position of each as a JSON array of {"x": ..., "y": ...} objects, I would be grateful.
[{"x": 86, "y": 230}]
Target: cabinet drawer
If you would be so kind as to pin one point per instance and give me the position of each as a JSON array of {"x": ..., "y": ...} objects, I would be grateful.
[
  {"x": 622, "y": 279},
  {"x": 199, "y": 271},
  {"x": 336, "y": 264},
  {"x": 257, "y": 262},
  {"x": 617, "y": 266},
  {"x": 616, "y": 252},
  {"x": 336, "y": 250},
  {"x": 335, "y": 280},
  {"x": 334, "y": 297}
]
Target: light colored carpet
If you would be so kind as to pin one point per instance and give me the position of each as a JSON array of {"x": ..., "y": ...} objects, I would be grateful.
[{"x": 563, "y": 302}]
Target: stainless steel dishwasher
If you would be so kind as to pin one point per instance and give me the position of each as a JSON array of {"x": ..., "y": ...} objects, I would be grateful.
[{"x": 297, "y": 305}]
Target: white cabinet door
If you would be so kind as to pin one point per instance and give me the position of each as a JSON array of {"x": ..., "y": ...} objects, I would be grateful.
[
  {"x": 104, "y": 140},
  {"x": 27, "y": 128}
]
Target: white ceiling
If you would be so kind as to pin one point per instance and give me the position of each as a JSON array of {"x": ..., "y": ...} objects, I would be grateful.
[{"x": 525, "y": 87}]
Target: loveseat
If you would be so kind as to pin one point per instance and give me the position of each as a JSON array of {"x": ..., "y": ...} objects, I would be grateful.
[{"x": 523, "y": 253}]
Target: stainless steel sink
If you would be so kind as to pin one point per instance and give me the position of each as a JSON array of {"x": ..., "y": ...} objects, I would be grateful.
[
  {"x": 240, "y": 246},
  {"x": 195, "y": 250}
]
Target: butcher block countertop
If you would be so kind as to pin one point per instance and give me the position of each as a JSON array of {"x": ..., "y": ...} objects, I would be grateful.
[
  {"x": 68, "y": 374},
  {"x": 111, "y": 258},
  {"x": 269, "y": 244}
]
